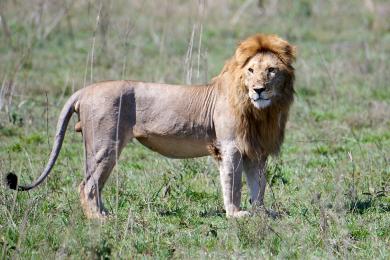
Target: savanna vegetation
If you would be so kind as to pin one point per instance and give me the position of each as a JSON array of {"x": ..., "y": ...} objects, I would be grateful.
[{"x": 330, "y": 184}]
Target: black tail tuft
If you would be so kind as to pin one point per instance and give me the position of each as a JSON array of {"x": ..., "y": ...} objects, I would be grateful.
[{"x": 12, "y": 180}]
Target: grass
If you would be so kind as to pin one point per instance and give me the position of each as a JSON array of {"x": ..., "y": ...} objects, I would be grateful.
[{"x": 331, "y": 182}]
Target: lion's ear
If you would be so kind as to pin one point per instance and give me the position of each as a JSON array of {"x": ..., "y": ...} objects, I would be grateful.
[
  {"x": 290, "y": 52},
  {"x": 282, "y": 48}
]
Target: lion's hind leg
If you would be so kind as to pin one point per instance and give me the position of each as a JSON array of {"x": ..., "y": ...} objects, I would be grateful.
[
  {"x": 101, "y": 156},
  {"x": 107, "y": 116},
  {"x": 98, "y": 168},
  {"x": 90, "y": 211}
]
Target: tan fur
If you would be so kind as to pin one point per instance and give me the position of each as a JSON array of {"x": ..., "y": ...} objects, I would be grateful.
[{"x": 239, "y": 118}]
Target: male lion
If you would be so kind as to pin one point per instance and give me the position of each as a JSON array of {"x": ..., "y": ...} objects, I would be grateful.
[{"x": 239, "y": 118}]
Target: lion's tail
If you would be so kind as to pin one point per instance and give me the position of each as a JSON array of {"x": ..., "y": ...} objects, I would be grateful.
[{"x": 63, "y": 120}]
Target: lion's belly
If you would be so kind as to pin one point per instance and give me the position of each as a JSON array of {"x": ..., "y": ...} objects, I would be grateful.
[{"x": 174, "y": 147}]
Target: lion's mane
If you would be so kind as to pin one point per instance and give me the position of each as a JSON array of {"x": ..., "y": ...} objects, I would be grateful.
[{"x": 259, "y": 132}]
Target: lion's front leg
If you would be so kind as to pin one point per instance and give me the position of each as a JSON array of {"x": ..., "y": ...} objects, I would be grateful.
[
  {"x": 230, "y": 169},
  {"x": 256, "y": 179}
]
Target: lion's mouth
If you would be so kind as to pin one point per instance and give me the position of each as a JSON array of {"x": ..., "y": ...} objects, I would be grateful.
[
  {"x": 260, "y": 98},
  {"x": 256, "y": 97}
]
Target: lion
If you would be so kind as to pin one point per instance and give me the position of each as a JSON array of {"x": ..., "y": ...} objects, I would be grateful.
[{"x": 239, "y": 118}]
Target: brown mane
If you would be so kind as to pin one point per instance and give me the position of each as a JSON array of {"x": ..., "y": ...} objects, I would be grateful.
[{"x": 259, "y": 132}]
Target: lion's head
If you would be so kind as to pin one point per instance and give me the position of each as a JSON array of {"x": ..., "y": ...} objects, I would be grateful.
[
  {"x": 265, "y": 77},
  {"x": 259, "y": 79},
  {"x": 263, "y": 69}
]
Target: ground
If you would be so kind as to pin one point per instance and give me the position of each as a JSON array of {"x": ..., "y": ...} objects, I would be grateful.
[{"x": 331, "y": 182}]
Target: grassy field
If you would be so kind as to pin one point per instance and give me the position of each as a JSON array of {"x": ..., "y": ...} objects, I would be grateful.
[{"x": 331, "y": 181}]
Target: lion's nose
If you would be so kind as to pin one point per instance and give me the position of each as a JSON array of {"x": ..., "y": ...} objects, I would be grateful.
[{"x": 259, "y": 90}]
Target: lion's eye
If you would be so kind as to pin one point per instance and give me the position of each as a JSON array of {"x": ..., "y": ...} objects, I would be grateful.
[
  {"x": 250, "y": 70},
  {"x": 271, "y": 71}
]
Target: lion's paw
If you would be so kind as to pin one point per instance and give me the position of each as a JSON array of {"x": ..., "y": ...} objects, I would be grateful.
[
  {"x": 274, "y": 214},
  {"x": 239, "y": 214}
]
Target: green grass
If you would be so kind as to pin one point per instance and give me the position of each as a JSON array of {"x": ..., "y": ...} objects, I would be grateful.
[{"x": 331, "y": 182}]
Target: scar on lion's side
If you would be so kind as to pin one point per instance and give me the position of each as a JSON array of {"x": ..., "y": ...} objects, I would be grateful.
[{"x": 214, "y": 151}]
